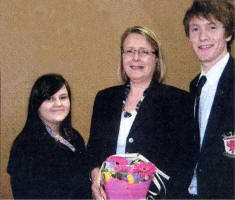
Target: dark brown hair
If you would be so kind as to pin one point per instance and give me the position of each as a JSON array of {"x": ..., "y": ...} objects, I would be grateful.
[{"x": 44, "y": 87}]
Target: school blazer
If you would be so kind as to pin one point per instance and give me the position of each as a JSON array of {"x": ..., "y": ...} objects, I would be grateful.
[
  {"x": 215, "y": 171},
  {"x": 161, "y": 130}
]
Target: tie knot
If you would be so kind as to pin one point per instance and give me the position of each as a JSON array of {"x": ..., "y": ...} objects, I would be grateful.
[{"x": 200, "y": 84}]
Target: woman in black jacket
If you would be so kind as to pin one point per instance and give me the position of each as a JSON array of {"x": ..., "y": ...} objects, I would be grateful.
[
  {"x": 48, "y": 157},
  {"x": 143, "y": 115}
]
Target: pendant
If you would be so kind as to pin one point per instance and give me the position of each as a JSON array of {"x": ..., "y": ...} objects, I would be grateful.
[{"x": 127, "y": 114}]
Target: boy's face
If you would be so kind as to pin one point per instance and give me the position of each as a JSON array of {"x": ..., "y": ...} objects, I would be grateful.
[{"x": 208, "y": 40}]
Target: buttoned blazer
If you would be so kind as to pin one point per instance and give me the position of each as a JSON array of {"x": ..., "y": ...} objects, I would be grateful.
[
  {"x": 161, "y": 130},
  {"x": 215, "y": 171}
]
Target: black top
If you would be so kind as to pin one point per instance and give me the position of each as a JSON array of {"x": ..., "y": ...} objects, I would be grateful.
[
  {"x": 41, "y": 168},
  {"x": 161, "y": 131}
]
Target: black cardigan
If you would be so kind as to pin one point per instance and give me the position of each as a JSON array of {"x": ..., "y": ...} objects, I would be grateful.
[
  {"x": 41, "y": 168},
  {"x": 161, "y": 131}
]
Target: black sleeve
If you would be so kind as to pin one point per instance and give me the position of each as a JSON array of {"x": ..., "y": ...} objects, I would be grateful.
[
  {"x": 18, "y": 170},
  {"x": 94, "y": 146},
  {"x": 181, "y": 138},
  {"x": 81, "y": 186}
]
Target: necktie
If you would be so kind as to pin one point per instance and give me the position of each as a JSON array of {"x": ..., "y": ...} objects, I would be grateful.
[{"x": 200, "y": 84}]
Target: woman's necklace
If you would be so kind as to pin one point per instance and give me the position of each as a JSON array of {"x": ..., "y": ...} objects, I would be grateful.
[{"x": 127, "y": 90}]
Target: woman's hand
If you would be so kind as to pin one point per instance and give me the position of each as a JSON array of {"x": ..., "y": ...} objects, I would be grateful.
[{"x": 98, "y": 193}]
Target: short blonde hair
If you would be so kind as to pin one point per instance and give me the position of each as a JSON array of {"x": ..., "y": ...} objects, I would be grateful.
[{"x": 160, "y": 69}]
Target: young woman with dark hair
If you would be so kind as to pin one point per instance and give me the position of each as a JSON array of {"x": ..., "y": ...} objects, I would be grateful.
[{"x": 48, "y": 157}]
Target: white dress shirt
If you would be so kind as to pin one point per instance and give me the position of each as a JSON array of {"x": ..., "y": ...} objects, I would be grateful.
[{"x": 206, "y": 101}]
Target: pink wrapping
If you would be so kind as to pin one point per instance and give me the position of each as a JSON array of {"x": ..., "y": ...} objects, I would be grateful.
[{"x": 122, "y": 190}]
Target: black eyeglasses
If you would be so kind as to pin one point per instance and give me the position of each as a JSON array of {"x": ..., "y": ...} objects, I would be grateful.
[{"x": 141, "y": 52}]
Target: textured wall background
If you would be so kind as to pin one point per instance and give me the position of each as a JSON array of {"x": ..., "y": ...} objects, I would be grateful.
[{"x": 79, "y": 39}]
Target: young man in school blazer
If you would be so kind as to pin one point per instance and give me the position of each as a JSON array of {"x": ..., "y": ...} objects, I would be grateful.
[{"x": 209, "y": 26}]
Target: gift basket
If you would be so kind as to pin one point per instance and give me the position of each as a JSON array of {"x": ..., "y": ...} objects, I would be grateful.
[{"x": 128, "y": 176}]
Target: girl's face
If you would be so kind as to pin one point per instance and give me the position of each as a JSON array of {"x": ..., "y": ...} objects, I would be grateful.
[{"x": 54, "y": 110}]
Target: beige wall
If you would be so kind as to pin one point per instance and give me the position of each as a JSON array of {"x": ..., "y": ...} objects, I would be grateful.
[{"x": 79, "y": 39}]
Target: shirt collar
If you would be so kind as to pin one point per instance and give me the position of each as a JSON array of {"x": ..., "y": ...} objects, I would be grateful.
[
  {"x": 215, "y": 72},
  {"x": 60, "y": 139}
]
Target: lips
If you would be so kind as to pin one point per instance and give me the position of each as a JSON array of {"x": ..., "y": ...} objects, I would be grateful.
[
  {"x": 59, "y": 110},
  {"x": 136, "y": 67},
  {"x": 205, "y": 46}
]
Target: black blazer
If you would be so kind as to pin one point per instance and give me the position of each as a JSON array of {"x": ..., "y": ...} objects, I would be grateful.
[
  {"x": 40, "y": 168},
  {"x": 161, "y": 130},
  {"x": 215, "y": 171}
]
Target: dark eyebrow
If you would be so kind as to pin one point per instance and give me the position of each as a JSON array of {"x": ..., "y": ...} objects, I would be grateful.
[{"x": 63, "y": 94}]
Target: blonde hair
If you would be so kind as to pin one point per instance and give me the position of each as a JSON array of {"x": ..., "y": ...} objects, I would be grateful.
[{"x": 160, "y": 69}]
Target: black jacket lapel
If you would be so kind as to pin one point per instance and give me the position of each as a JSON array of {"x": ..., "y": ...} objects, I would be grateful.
[{"x": 225, "y": 86}]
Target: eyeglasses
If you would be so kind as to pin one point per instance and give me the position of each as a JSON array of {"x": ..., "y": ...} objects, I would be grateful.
[{"x": 141, "y": 52}]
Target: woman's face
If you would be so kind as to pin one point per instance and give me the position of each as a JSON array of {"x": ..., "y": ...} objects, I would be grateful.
[
  {"x": 139, "y": 61},
  {"x": 54, "y": 110}
]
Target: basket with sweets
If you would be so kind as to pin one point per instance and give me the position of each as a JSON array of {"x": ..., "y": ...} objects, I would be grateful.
[{"x": 128, "y": 176}]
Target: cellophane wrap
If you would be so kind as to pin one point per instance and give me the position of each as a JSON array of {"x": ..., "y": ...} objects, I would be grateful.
[{"x": 128, "y": 176}]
